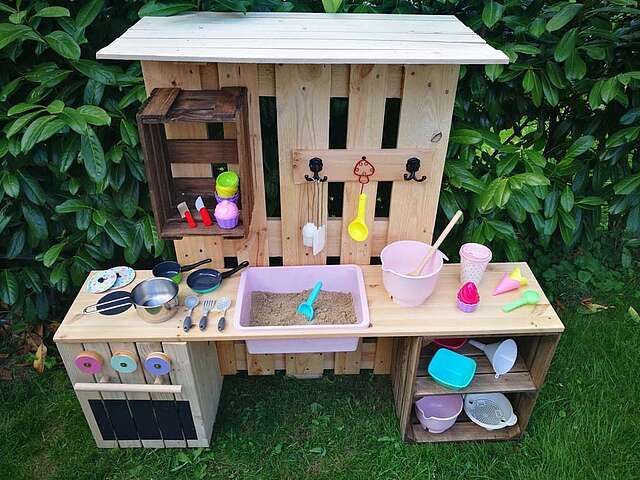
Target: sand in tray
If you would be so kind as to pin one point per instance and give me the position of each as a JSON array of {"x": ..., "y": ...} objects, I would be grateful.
[{"x": 331, "y": 308}]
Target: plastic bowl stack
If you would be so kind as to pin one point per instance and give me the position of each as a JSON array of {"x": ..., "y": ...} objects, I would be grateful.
[{"x": 227, "y": 187}]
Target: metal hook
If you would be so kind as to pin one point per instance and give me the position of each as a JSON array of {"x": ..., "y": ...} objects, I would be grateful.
[
  {"x": 413, "y": 165},
  {"x": 315, "y": 165}
]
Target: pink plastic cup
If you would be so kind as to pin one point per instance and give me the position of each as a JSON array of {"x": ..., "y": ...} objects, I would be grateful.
[
  {"x": 474, "y": 259},
  {"x": 401, "y": 258}
]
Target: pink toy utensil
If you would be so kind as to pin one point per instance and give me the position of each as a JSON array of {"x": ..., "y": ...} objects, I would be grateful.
[
  {"x": 511, "y": 281},
  {"x": 474, "y": 259},
  {"x": 436, "y": 245}
]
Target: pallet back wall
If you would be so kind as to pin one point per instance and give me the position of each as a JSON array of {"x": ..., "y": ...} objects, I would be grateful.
[{"x": 303, "y": 95}]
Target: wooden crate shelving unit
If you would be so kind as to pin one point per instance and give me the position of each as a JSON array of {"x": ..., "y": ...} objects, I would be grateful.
[
  {"x": 521, "y": 385},
  {"x": 227, "y": 106}
]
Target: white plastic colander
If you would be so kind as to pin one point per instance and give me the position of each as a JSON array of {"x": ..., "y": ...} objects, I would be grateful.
[{"x": 492, "y": 411}]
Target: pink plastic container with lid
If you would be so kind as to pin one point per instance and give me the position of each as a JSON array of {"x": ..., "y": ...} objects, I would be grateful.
[
  {"x": 336, "y": 278},
  {"x": 474, "y": 259}
]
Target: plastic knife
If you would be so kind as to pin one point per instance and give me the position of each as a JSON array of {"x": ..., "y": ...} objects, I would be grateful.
[
  {"x": 186, "y": 214},
  {"x": 204, "y": 213}
]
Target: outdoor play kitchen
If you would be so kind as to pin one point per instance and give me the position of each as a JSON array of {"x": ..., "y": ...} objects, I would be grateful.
[{"x": 467, "y": 345}]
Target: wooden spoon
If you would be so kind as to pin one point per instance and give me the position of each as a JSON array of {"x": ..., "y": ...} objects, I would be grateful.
[{"x": 436, "y": 245}]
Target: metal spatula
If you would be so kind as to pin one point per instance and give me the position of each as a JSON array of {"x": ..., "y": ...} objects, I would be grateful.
[{"x": 320, "y": 235}]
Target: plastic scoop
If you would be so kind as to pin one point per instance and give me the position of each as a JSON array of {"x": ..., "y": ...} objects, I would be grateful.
[
  {"x": 306, "y": 308},
  {"x": 529, "y": 297},
  {"x": 357, "y": 228}
]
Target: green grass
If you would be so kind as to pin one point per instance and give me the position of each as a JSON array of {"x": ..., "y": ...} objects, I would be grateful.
[{"x": 585, "y": 425}]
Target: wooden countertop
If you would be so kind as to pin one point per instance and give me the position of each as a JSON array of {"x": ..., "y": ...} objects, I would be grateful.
[{"x": 437, "y": 317}]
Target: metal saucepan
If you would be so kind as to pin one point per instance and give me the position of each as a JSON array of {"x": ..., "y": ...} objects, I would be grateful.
[
  {"x": 173, "y": 270},
  {"x": 205, "y": 280},
  {"x": 155, "y": 300}
]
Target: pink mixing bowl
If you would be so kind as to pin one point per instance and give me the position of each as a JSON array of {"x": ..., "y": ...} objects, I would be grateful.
[{"x": 439, "y": 412}]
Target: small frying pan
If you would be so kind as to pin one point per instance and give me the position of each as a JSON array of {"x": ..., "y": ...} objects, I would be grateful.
[
  {"x": 205, "y": 280},
  {"x": 173, "y": 270}
]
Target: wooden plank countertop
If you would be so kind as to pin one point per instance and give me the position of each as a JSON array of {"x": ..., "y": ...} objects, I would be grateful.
[{"x": 437, "y": 317}]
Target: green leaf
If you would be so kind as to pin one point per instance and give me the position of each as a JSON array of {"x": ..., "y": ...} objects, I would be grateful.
[
  {"x": 597, "y": 53},
  {"x": 35, "y": 220},
  {"x": 497, "y": 193},
  {"x": 52, "y": 254},
  {"x": 95, "y": 71},
  {"x": 128, "y": 133},
  {"x": 88, "y": 13},
  {"x": 630, "y": 116},
  {"x": 55, "y": 107},
  {"x": 537, "y": 91},
  {"x": 536, "y": 28},
  {"x": 503, "y": 228},
  {"x": 628, "y": 186},
  {"x": 595, "y": 97},
  {"x": 53, "y": 12},
  {"x": 32, "y": 189},
  {"x": 11, "y": 185},
  {"x": 16, "y": 243},
  {"x": 493, "y": 71},
  {"x": 555, "y": 75},
  {"x": 526, "y": 48},
  {"x": 22, "y": 107},
  {"x": 550, "y": 92},
  {"x": 528, "y": 81},
  {"x": 551, "y": 204},
  {"x": 8, "y": 286},
  {"x": 9, "y": 33},
  {"x": 566, "y": 45},
  {"x": 74, "y": 119},
  {"x": 71, "y": 205},
  {"x": 62, "y": 43},
  {"x": 532, "y": 179},
  {"x": 491, "y": 13},
  {"x": 566, "y": 199},
  {"x": 98, "y": 218},
  {"x": 580, "y": 146},
  {"x": 609, "y": 89},
  {"x": 564, "y": 16},
  {"x": 162, "y": 9},
  {"x": 331, "y": 6},
  {"x": 590, "y": 201},
  {"x": 117, "y": 231},
  {"x": 574, "y": 67},
  {"x": 33, "y": 132},
  {"x": 465, "y": 136},
  {"x": 94, "y": 115},
  {"x": 93, "y": 156},
  {"x": 622, "y": 136}
]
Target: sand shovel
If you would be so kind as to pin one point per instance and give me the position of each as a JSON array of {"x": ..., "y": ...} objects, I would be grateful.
[{"x": 306, "y": 307}]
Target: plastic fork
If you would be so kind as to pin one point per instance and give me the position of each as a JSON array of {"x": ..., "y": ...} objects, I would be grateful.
[{"x": 207, "y": 306}]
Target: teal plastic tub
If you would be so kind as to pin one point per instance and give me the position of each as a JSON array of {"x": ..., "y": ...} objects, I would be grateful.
[{"x": 452, "y": 370}]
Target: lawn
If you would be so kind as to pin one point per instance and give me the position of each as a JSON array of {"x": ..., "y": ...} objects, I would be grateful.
[{"x": 586, "y": 424}]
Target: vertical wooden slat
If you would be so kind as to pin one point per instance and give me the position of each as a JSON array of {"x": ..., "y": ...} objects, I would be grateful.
[
  {"x": 227, "y": 358},
  {"x": 189, "y": 77},
  {"x": 114, "y": 377},
  {"x": 260, "y": 364},
  {"x": 425, "y": 115},
  {"x": 255, "y": 249},
  {"x": 136, "y": 377},
  {"x": 68, "y": 352},
  {"x": 405, "y": 364},
  {"x": 384, "y": 355},
  {"x": 348, "y": 363},
  {"x": 144, "y": 349},
  {"x": 367, "y": 98},
  {"x": 302, "y": 100}
]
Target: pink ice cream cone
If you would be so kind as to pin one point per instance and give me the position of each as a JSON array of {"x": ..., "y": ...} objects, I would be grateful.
[{"x": 510, "y": 281}]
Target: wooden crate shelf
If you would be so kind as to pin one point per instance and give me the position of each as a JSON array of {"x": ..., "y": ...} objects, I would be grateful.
[
  {"x": 464, "y": 431},
  {"x": 170, "y": 105}
]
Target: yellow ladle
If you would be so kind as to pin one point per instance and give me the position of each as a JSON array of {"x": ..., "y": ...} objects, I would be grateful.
[{"x": 357, "y": 228}]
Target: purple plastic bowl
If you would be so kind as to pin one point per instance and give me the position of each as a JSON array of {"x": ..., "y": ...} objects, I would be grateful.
[
  {"x": 438, "y": 413},
  {"x": 233, "y": 199}
]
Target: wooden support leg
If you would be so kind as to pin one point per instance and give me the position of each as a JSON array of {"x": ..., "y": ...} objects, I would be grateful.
[{"x": 403, "y": 378}]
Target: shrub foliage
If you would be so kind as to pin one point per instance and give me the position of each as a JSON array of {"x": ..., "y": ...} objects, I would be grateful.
[{"x": 543, "y": 151}]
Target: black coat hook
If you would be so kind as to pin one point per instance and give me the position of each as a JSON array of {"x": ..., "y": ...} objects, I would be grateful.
[
  {"x": 413, "y": 165},
  {"x": 315, "y": 165}
]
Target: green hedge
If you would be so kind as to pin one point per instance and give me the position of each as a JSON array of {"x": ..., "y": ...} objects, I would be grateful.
[{"x": 543, "y": 151}]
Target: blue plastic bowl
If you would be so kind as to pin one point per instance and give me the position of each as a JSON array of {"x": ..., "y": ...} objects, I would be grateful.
[{"x": 451, "y": 370}]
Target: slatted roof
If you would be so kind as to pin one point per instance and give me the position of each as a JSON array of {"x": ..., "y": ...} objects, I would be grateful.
[{"x": 303, "y": 38}]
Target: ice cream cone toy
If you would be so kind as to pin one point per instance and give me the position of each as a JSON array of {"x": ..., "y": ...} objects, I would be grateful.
[
  {"x": 468, "y": 297},
  {"x": 511, "y": 281}
]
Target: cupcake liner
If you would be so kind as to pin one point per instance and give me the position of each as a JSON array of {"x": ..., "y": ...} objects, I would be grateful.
[
  {"x": 466, "y": 307},
  {"x": 234, "y": 198},
  {"x": 228, "y": 223}
]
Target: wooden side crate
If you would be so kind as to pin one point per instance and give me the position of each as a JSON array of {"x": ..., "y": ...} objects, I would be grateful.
[
  {"x": 138, "y": 409},
  {"x": 521, "y": 385}
]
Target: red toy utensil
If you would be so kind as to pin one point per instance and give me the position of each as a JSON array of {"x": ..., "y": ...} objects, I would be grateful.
[
  {"x": 204, "y": 213},
  {"x": 186, "y": 214},
  {"x": 363, "y": 169}
]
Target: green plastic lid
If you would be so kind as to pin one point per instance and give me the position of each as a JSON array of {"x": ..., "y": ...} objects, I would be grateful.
[{"x": 228, "y": 179}]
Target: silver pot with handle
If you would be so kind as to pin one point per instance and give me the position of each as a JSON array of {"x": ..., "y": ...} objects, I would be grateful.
[{"x": 155, "y": 301}]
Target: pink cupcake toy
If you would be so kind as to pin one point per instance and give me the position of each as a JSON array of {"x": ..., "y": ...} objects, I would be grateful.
[
  {"x": 227, "y": 214},
  {"x": 468, "y": 297}
]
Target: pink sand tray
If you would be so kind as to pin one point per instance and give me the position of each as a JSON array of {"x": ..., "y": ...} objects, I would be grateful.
[{"x": 335, "y": 278}]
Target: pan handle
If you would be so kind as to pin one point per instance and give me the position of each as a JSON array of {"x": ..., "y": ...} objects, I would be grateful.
[
  {"x": 228, "y": 273},
  {"x": 119, "y": 302},
  {"x": 186, "y": 268}
]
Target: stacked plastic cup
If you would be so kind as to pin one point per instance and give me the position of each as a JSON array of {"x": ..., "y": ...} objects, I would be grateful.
[
  {"x": 474, "y": 259},
  {"x": 227, "y": 187}
]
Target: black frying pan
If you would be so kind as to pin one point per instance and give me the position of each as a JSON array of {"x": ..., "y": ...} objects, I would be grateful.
[
  {"x": 173, "y": 270},
  {"x": 205, "y": 280}
]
